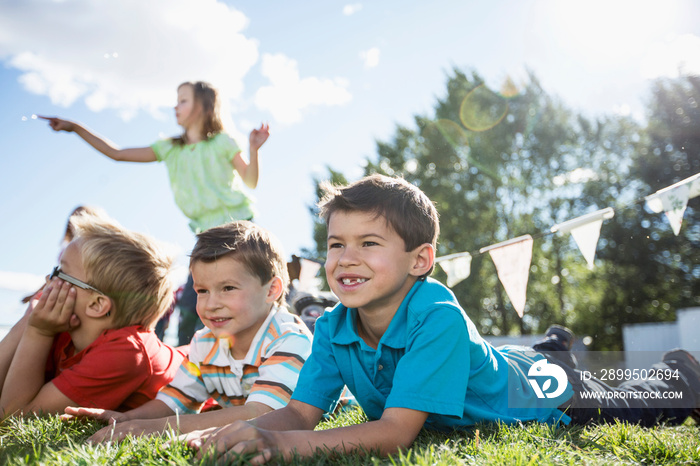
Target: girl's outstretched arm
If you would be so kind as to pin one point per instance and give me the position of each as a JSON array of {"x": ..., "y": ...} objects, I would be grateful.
[
  {"x": 250, "y": 170},
  {"x": 137, "y": 154}
]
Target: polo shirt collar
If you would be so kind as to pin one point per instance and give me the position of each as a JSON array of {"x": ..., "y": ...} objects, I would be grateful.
[
  {"x": 395, "y": 335},
  {"x": 347, "y": 332}
]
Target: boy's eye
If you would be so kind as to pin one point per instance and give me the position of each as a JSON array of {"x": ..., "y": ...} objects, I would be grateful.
[
  {"x": 370, "y": 243},
  {"x": 334, "y": 245},
  {"x": 229, "y": 288},
  {"x": 201, "y": 291}
]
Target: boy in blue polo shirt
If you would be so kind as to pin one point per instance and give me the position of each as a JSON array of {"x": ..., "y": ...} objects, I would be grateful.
[{"x": 398, "y": 340}]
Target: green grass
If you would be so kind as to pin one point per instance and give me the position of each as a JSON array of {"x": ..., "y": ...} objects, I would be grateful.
[{"x": 50, "y": 441}]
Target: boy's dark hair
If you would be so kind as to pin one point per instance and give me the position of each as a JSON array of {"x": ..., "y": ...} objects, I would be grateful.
[
  {"x": 406, "y": 208},
  {"x": 251, "y": 245}
]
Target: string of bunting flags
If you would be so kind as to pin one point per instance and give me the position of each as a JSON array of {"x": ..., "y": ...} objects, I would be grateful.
[{"x": 512, "y": 258}]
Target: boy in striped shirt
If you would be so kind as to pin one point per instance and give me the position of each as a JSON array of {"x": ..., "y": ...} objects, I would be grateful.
[{"x": 248, "y": 356}]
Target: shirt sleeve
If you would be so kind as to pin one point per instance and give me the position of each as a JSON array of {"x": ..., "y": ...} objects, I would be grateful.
[
  {"x": 107, "y": 374},
  {"x": 279, "y": 371},
  {"x": 431, "y": 376},
  {"x": 161, "y": 148},
  {"x": 227, "y": 145},
  {"x": 320, "y": 383},
  {"x": 186, "y": 393}
]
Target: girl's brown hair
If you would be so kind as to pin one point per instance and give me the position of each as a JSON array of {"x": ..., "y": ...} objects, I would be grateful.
[{"x": 208, "y": 98}]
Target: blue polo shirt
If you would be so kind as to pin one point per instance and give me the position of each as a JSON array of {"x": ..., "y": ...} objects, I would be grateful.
[{"x": 431, "y": 359}]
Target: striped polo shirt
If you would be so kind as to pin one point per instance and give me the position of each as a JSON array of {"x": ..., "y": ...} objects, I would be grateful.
[{"x": 268, "y": 373}]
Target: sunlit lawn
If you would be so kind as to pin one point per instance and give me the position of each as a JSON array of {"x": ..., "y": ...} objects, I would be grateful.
[{"x": 50, "y": 441}]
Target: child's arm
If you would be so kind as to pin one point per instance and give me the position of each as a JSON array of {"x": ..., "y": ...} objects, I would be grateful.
[
  {"x": 24, "y": 389},
  {"x": 148, "y": 418},
  {"x": 290, "y": 430},
  {"x": 249, "y": 170},
  {"x": 150, "y": 410},
  {"x": 9, "y": 344},
  {"x": 137, "y": 154},
  {"x": 184, "y": 423}
]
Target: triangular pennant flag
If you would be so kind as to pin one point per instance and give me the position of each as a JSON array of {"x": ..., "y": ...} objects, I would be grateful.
[
  {"x": 586, "y": 237},
  {"x": 694, "y": 182},
  {"x": 456, "y": 266},
  {"x": 307, "y": 275},
  {"x": 586, "y": 231},
  {"x": 673, "y": 201},
  {"x": 512, "y": 260}
]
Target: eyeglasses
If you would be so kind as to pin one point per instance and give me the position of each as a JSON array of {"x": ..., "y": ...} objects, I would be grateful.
[{"x": 72, "y": 280}]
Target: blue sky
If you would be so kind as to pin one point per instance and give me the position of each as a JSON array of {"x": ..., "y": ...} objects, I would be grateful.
[{"x": 330, "y": 78}]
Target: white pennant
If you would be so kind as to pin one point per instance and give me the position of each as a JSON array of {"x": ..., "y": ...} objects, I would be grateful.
[
  {"x": 674, "y": 199},
  {"x": 512, "y": 259},
  {"x": 456, "y": 266},
  {"x": 586, "y": 237},
  {"x": 586, "y": 231}
]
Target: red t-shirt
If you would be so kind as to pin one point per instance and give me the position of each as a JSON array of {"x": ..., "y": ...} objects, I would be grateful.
[{"x": 121, "y": 370}]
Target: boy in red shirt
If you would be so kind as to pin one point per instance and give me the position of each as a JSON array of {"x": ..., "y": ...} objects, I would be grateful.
[{"x": 88, "y": 339}]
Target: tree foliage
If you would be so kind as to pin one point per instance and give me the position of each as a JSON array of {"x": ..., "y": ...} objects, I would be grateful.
[{"x": 500, "y": 164}]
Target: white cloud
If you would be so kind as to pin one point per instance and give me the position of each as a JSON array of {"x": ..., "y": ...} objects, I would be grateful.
[
  {"x": 128, "y": 55},
  {"x": 370, "y": 57},
  {"x": 17, "y": 281},
  {"x": 288, "y": 94},
  {"x": 677, "y": 54},
  {"x": 351, "y": 8}
]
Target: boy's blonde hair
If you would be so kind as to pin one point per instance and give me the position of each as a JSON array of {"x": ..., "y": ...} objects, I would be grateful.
[
  {"x": 407, "y": 209},
  {"x": 132, "y": 269},
  {"x": 251, "y": 245}
]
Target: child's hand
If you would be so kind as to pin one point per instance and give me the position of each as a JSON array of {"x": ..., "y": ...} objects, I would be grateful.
[
  {"x": 53, "y": 312},
  {"x": 72, "y": 412},
  {"x": 239, "y": 437},
  {"x": 258, "y": 136},
  {"x": 58, "y": 124}
]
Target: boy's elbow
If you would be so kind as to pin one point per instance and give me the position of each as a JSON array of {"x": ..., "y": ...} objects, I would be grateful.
[{"x": 401, "y": 440}]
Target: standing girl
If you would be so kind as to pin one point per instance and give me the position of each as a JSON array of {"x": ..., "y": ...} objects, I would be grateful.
[{"x": 205, "y": 167}]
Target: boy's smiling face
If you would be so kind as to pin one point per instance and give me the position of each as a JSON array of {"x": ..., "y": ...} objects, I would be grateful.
[
  {"x": 367, "y": 265},
  {"x": 231, "y": 301}
]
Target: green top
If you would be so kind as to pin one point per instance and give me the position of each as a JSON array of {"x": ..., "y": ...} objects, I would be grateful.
[{"x": 207, "y": 189}]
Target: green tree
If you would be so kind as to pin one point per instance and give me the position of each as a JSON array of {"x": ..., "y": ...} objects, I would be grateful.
[{"x": 500, "y": 164}]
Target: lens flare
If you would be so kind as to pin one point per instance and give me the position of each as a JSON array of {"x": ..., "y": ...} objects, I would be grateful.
[
  {"x": 482, "y": 109},
  {"x": 451, "y": 131}
]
